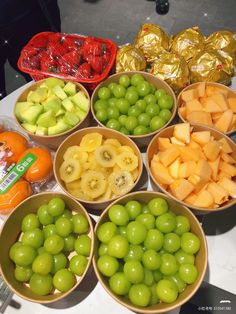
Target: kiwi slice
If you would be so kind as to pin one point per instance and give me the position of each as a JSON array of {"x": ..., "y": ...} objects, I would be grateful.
[
  {"x": 93, "y": 183},
  {"x": 127, "y": 161},
  {"x": 106, "y": 155},
  {"x": 70, "y": 170},
  {"x": 120, "y": 182}
]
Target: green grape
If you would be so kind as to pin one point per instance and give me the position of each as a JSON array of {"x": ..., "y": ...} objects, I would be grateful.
[
  {"x": 171, "y": 242},
  {"x": 133, "y": 208},
  {"x": 118, "y": 215},
  {"x": 134, "y": 271},
  {"x": 49, "y": 230},
  {"x": 136, "y": 232},
  {"x": 123, "y": 105},
  {"x": 69, "y": 243},
  {"x": 140, "y": 130},
  {"x": 100, "y": 104},
  {"x": 144, "y": 119},
  {"x": 166, "y": 291},
  {"x": 43, "y": 264},
  {"x": 106, "y": 231},
  {"x": 145, "y": 209},
  {"x": 111, "y": 86},
  {"x": 182, "y": 225},
  {"x": 64, "y": 280},
  {"x": 23, "y": 274},
  {"x": 113, "y": 124},
  {"x": 157, "y": 275},
  {"x": 41, "y": 284},
  {"x": 119, "y": 284},
  {"x": 136, "y": 79},
  {"x": 118, "y": 246},
  {"x": 184, "y": 258},
  {"x": 122, "y": 119},
  {"x": 66, "y": 214},
  {"x": 151, "y": 260},
  {"x": 56, "y": 206},
  {"x": 113, "y": 113},
  {"x": 101, "y": 115},
  {"x": 112, "y": 102},
  {"x": 59, "y": 262},
  {"x": 124, "y": 80},
  {"x": 44, "y": 217},
  {"x": 154, "y": 299},
  {"x": 166, "y": 102},
  {"x": 54, "y": 244},
  {"x": 134, "y": 111},
  {"x": 152, "y": 110},
  {"x": 181, "y": 285},
  {"x": 160, "y": 93},
  {"x": 190, "y": 243},
  {"x": 150, "y": 99},
  {"x": 119, "y": 91},
  {"x": 165, "y": 114},
  {"x": 13, "y": 249},
  {"x": 166, "y": 223},
  {"x": 168, "y": 264},
  {"x": 122, "y": 231},
  {"x": 33, "y": 238},
  {"x": 141, "y": 104},
  {"x": 30, "y": 222},
  {"x": 80, "y": 224},
  {"x": 78, "y": 264},
  {"x": 188, "y": 273},
  {"x": 143, "y": 88},
  {"x": 154, "y": 240},
  {"x": 124, "y": 131},
  {"x": 156, "y": 123},
  {"x": 140, "y": 295},
  {"x": 132, "y": 96},
  {"x": 135, "y": 252},
  {"x": 104, "y": 93},
  {"x": 148, "y": 277},
  {"x": 131, "y": 123},
  {"x": 41, "y": 250},
  {"x": 147, "y": 220},
  {"x": 107, "y": 265},
  {"x": 103, "y": 249},
  {"x": 83, "y": 245},
  {"x": 24, "y": 255},
  {"x": 64, "y": 227}
]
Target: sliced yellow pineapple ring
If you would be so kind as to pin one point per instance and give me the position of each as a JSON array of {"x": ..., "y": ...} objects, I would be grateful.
[
  {"x": 75, "y": 189},
  {"x": 127, "y": 161},
  {"x": 90, "y": 142},
  {"x": 125, "y": 148},
  {"x": 70, "y": 170},
  {"x": 112, "y": 141},
  {"x": 120, "y": 182},
  {"x": 105, "y": 155},
  {"x": 75, "y": 152},
  {"x": 93, "y": 183}
]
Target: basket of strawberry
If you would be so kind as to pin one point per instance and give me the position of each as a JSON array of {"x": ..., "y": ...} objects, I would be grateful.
[{"x": 87, "y": 60}]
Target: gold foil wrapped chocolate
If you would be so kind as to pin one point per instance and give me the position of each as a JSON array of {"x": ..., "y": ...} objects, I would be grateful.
[
  {"x": 173, "y": 69},
  {"x": 188, "y": 42},
  {"x": 152, "y": 40},
  {"x": 130, "y": 58},
  {"x": 209, "y": 65},
  {"x": 225, "y": 43}
]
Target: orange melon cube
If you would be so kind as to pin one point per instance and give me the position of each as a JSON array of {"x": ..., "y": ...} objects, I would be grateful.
[
  {"x": 187, "y": 168},
  {"x": 210, "y": 90},
  {"x": 228, "y": 158},
  {"x": 163, "y": 143},
  {"x": 228, "y": 168},
  {"x": 212, "y": 150},
  {"x": 214, "y": 167},
  {"x": 156, "y": 158},
  {"x": 174, "y": 168},
  {"x": 193, "y": 105},
  {"x": 189, "y": 94},
  {"x": 228, "y": 185},
  {"x": 175, "y": 141},
  {"x": 221, "y": 90},
  {"x": 188, "y": 153},
  {"x": 203, "y": 170},
  {"x": 197, "y": 182},
  {"x": 216, "y": 116},
  {"x": 169, "y": 155},
  {"x": 220, "y": 195},
  {"x": 225, "y": 146},
  {"x": 201, "y": 88},
  {"x": 211, "y": 106},
  {"x": 194, "y": 145},
  {"x": 202, "y": 137},
  {"x": 204, "y": 199},
  {"x": 233, "y": 123},
  {"x": 199, "y": 117},
  {"x": 161, "y": 173},
  {"x": 222, "y": 174},
  {"x": 190, "y": 199},
  {"x": 181, "y": 188},
  {"x": 221, "y": 100},
  {"x": 232, "y": 103},
  {"x": 183, "y": 112},
  {"x": 182, "y": 132},
  {"x": 224, "y": 122}
]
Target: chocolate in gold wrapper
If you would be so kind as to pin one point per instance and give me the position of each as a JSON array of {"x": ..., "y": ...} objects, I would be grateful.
[
  {"x": 173, "y": 69},
  {"x": 225, "y": 43},
  {"x": 130, "y": 58},
  {"x": 209, "y": 65},
  {"x": 188, "y": 42},
  {"x": 152, "y": 40}
]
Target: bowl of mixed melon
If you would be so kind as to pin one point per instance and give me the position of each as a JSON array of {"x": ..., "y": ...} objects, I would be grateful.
[
  {"x": 208, "y": 103},
  {"x": 195, "y": 165},
  {"x": 51, "y": 109}
]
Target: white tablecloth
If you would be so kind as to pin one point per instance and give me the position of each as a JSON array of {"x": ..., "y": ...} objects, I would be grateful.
[{"x": 92, "y": 298}]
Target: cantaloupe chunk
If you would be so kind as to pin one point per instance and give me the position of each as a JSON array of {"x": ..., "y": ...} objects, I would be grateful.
[
  {"x": 169, "y": 155},
  {"x": 199, "y": 117},
  {"x": 215, "y": 167},
  {"x": 226, "y": 148},
  {"x": 194, "y": 145},
  {"x": 182, "y": 132},
  {"x": 220, "y": 195},
  {"x": 223, "y": 123},
  {"x": 203, "y": 170},
  {"x": 221, "y": 90},
  {"x": 221, "y": 100},
  {"x": 156, "y": 158},
  {"x": 216, "y": 116},
  {"x": 211, "y": 106},
  {"x": 163, "y": 143},
  {"x": 189, "y": 94},
  {"x": 212, "y": 150},
  {"x": 221, "y": 174},
  {"x": 175, "y": 141},
  {"x": 187, "y": 168},
  {"x": 204, "y": 199},
  {"x": 188, "y": 153},
  {"x": 174, "y": 168},
  {"x": 190, "y": 199},
  {"x": 183, "y": 112},
  {"x": 228, "y": 168},
  {"x": 201, "y": 137},
  {"x": 193, "y": 105},
  {"x": 210, "y": 90},
  {"x": 161, "y": 173},
  {"x": 201, "y": 88},
  {"x": 229, "y": 186},
  {"x": 233, "y": 123},
  {"x": 181, "y": 188},
  {"x": 232, "y": 103},
  {"x": 197, "y": 182},
  {"x": 228, "y": 158}
]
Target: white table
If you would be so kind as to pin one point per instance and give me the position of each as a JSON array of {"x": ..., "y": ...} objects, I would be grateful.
[{"x": 91, "y": 298}]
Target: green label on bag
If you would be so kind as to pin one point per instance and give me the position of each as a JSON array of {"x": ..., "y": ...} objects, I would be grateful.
[{"x": 16, "y": 172}]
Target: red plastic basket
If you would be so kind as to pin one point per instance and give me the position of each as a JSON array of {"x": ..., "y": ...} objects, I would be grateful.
[{"x": 90, "y": 83}]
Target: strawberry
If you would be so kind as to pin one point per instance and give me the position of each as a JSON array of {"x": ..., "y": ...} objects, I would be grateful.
[
  {"x": 69, "y": 43},
  {"x": 54, "y": 37},
  {"x": 56, "y": 49},
  {"x": 39, "y": 42},
  {"x": 96, "y": 62},
  {"x": 72, "y": 57},
  {"x": 32, "y": 62},
  {"x": 47, "y": 63},
  {"x": 91, "y": 46},
  {"x": 83, "y": 71},
  {"x": 29, "y": 51}
]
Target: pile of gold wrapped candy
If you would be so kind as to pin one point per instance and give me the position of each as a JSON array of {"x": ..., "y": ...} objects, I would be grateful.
[{"x": 187, "y": 57}]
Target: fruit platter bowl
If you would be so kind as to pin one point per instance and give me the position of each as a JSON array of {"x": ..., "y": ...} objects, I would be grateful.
[
  {"x": 46, "y": 247},
  {"x": 97, "y": 165},
  {"x": 195, "y": 165},
  {"x": 150, "y": 252},
  {"x": 51, "y": 109},
  {"x": 211, "y": 104},
  {"x": 135, "y": 103}
]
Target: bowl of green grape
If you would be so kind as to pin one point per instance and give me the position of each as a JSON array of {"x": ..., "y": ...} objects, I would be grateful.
[
  {"x": 135, "y": 103},
  {"x": 150, "y": 253},
  {"x": 46, "y": 247}
]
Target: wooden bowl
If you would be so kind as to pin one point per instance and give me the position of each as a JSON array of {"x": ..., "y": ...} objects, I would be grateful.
[
  {"x": 10, "y": 233},
  {"x": 140, "y": 140},
  {"x": 200, "y": 260},
  {"x": 75, "y": 139},
  {"x": 53, "y": 141},
  {"x": 231, "y": 93},
  {"x": 153, "y": 148}
]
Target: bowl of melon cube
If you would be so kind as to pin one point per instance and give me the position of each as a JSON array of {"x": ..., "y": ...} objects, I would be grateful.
[
  {"x": 97, "y": 165},
  {"x": 51, "y": 109},
  {"x": 195, "y": 165},
  {"x": 209, "y": 103}
]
